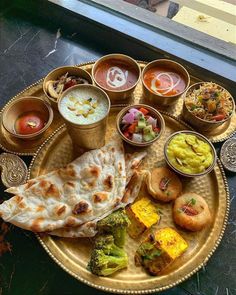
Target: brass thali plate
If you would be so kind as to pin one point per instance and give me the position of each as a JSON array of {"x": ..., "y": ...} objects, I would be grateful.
[
  {"x": 27, "y": 148},
  {"x": 73, "y": 254}
]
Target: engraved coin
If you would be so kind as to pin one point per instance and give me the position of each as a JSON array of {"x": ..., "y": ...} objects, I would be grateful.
[{"x": 228, "y": 154}]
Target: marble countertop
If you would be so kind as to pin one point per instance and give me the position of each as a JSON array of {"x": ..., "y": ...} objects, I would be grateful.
[{"x": 29, "y": 49}]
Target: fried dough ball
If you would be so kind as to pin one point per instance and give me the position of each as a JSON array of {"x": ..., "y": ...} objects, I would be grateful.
[
  {"x": 191, "y": 212},
  {"x": 163, "y": 184}
]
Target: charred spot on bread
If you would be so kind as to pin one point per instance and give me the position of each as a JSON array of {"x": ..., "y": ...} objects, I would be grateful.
[
  {"x": 35, "y": 227},
  {"x": 18, "y": 199},
  {"x": 22, "y": 205},
  {"x": 95, "y": 171},
  {"x": 108, "y": 182},
  {"x": 44, "y": 184},
  {"x": 61, "y": 210},
  {"x": 52, "y": 191},
  {"x": 99, "y": 197},
  {"x": 71, "y": 221},
  {"x": 69, "y": 170},
  {"x": 81, "y": 208},
  {"x": 40, "y": 208}
]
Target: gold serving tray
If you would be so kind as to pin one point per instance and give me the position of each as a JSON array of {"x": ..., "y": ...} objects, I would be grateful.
[
  {"x": 73, "y": 254},
  {"x": 20, "y": 147}
]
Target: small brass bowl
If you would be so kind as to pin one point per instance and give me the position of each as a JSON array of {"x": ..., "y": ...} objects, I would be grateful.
[
  {"x": 155, "y": 114},
  {"x": 22, "y": 105},
  {"x": 88, "y": 135},
  {"x": 118, "y": 95},
  {"x": 201, "y": 137},
  {"x": 162, "y": 100},
  {"x": 58, "y": 72},
  {"x": 198, "y": 123}
]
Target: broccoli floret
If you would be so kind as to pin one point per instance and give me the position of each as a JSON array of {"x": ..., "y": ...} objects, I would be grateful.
[
  {"x": 115, "y": 224},
  {"x": 106, "y": 243},
  {"x": 106, "y": 257}
]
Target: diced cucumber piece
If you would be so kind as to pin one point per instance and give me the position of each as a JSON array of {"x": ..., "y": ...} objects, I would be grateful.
[
  {"x": 141, "y": 123},
  {"x": 148, "y": 133}
]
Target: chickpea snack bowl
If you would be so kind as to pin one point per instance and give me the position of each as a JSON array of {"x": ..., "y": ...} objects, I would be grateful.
[
  {"x": 62, "y": 78},
  {"x": 140, "y": 125},
  {"x": 190, "y": 153}
]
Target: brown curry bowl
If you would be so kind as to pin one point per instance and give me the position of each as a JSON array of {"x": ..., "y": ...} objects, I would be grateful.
[
  {"x": 22, "y": 105},
  {"x": 58, "y": 72},
  {"x": 198, "y": 123},
  {"x": 202, "y": 138},
  {"x": 162, "y": 100},
  {"x": 153, "y": 112},
  {"x": 118, "y": 95}
]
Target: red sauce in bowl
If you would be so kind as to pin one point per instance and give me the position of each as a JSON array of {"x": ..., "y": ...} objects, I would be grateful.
[
  {"x": 29, "y": 123},
  {"x": 116, "y": 75},
  {"x": 164, "y": 81}
]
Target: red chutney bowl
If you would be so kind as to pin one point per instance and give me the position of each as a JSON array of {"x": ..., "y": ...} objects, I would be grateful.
[{"x": 27, "y": 117}]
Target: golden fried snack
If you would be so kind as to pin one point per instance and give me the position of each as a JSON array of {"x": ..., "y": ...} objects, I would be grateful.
[
  {"x": 163, "y": 184},
  {"x": 191, "y": 212}
]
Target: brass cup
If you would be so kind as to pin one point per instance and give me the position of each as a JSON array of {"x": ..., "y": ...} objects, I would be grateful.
[
  {"x": 117, "y": 96},
  {"x": 198, "y": 123},
  {"x": 56, "y": 73},
  {"x": 26, "y": 104},
  {"x": 87, "y": 136},
  {"x": 201, "y": 137},
  {"x": 161, "y": 100},
  {"x": 153, "y": 112}
]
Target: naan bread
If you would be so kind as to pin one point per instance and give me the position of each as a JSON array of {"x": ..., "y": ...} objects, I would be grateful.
[
  {"x": 88, "y": 229},
  {"x": 88, "y": 188}
]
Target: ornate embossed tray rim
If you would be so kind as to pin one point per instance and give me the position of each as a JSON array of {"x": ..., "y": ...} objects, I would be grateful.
[
  {"x": 212, "y": 249},
  {"x": 31, "y": 153}
]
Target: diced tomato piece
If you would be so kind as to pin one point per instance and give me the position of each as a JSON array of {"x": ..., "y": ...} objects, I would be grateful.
[
  {"x": 144, "y": 111},
  {"x": 156, "y": 129},
  {"x": 131, "y": 128},
  {"x": 126, "y": 134},
  {"x": 218, "y": 117}
]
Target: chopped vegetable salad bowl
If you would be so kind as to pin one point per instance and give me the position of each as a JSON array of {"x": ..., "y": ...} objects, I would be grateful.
[{"x": 140, "y": 125}]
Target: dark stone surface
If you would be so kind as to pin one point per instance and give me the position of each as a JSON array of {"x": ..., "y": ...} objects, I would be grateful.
[{"x": 29, "y": 49}]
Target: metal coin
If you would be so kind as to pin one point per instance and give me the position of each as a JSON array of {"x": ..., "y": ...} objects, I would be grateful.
[{"x": 228, "y": 154}]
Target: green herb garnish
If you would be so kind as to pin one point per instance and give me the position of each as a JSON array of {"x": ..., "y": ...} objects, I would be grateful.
[{"x": 192, "y": 202}]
